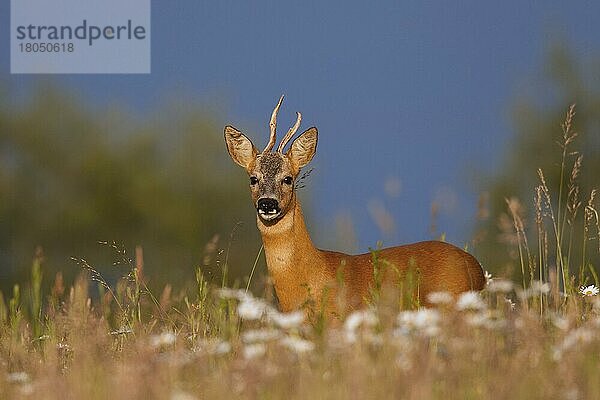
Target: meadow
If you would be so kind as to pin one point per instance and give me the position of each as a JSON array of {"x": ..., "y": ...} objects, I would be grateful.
[{"x": 534, "y": 336}]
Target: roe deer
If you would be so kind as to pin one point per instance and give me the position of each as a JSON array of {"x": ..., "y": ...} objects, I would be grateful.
[{"x": 301, "y": 273}]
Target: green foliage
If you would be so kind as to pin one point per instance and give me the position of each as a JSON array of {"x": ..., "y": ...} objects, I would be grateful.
[
  {"x": 71, "y": 176},
  {"x": 36, "y": 293},
  {"x": 3, "y": 310},
  {"x": 404, "y": 293}
]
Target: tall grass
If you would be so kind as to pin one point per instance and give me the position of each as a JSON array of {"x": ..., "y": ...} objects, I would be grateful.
[{"x": 539, "y": 338}]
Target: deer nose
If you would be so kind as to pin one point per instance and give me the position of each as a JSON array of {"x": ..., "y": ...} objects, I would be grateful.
[{"x": 268, "y": 206}]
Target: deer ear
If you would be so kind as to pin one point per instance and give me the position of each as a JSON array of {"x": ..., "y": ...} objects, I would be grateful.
[
  {"x": 304, "y": 147},
  {"x": 240, "y": 148}
]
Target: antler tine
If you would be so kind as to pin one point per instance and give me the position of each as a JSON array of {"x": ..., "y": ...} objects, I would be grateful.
[
  {"x": 290, "y": 133},
  {"x": 273, "y": 126}
]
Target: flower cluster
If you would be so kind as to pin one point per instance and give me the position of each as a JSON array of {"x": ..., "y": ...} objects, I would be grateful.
[
  {"x": 282, "y": 328},
  {"x": 266, "y": 333}
]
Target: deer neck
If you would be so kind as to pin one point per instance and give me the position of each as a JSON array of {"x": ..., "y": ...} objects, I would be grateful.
[
  {"x": 291, "y": 257},
  {"x": 286, "y": 241}
]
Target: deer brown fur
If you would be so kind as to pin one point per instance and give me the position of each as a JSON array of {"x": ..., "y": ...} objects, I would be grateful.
[{"x": 304, "y": 275}]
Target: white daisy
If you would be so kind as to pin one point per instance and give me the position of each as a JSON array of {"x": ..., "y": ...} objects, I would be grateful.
[
  {"x": 488, "y": 277},
  {"x": 589, "y": 291}
]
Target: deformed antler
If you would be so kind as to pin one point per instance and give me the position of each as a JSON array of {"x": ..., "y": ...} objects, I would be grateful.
[
  {"x": 290, "y": 133},
  {"x": 273, "y": 128}
]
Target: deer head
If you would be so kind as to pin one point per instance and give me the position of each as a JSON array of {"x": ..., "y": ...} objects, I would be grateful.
[{"x": 273, "y": 174}]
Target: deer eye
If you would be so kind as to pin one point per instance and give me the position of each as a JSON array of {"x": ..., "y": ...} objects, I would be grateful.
[
  {"x": 288, "y": 180},
  {"x": 253, "y": 180}
]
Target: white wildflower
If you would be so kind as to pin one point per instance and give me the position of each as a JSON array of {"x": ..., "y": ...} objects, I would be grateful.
[
  {"x": 500, "y": 285},
  {"x": 589, "y": 291},
  {"x": 63, "y": 346},
  {"x": 470, "y": 301},
  {"x": 511, "y": 304},
  {"x": 260, "y": 335},
  {"x": 357, "y": 319},
  {"x": 426, "y": 317},
  {"x": 575, "y": 337},
  {"x": 488, "y": 277},
  {"x": 560, "y": 322},
  {"x": 254, "y": 350},
  {"x": 297, "y": 345},
  {"x": 485, "y": 319},
  {"x": 228, "y": 293},
  {"x": 287, "y": 320},
  {"x": 477, "y": 320},
  {"x": 221, "y": 348},
  {"x": 536, "y": 289},
  {"x": 213, "y": 346},
  {"x": 540, "y": 287},
  {"x": 165, "y": 339},
  {"x": 17, "y": 377},
  {"x": 424, "y": 321},
  {"x": 252, "y": 309},
  {"x": 440, "y": 298}
]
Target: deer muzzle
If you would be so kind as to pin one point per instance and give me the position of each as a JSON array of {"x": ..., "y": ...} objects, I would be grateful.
[{"x": 268, "y": 208}]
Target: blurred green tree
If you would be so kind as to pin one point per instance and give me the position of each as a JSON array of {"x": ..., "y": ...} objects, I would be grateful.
[
  {"x": 537, "y": 144},
  {"x": 71, "y": 177}
]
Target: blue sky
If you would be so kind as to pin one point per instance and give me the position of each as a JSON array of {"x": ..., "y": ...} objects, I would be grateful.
[{"x": 409, "y": 91}]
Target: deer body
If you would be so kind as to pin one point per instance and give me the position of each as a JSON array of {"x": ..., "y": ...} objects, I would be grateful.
[
  {"x": 304, "y": 275},
  {"x": 295, "y": 265}
]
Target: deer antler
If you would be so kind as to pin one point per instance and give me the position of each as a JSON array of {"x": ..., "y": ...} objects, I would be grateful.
[
  {"x": 273, "y": 126},
  {"x": 290, "y": 133}
]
